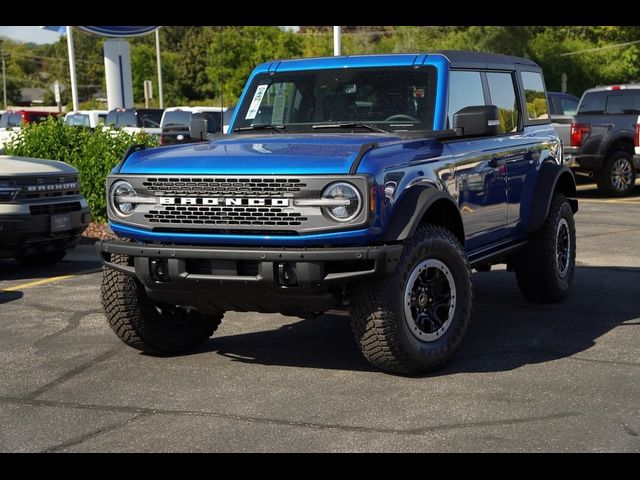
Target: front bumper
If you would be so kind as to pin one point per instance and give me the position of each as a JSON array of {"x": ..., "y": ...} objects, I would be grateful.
[
  {"x": 285, "y": 280},
  {"x": 26, "y": 234}
]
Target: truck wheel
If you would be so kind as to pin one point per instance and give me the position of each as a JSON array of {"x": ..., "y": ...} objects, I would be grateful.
[
  {"x": 148, "y": 326},
  {"x": 42, "y": 259},
  {"x": 617, "y": 177},
  {"x": 545, "y": 268},
  {"x": 413, "y": 321}
]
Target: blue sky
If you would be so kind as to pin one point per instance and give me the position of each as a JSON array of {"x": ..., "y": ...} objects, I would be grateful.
[{"x": 29, "y": 34}]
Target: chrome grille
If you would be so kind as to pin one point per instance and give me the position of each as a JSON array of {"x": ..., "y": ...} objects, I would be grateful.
[
  {"x": 223, "y": 186},
  {"x": 27, "y": 183},
  {"x": 203, "y": 215}
]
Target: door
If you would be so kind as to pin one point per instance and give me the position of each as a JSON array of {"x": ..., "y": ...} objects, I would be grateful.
[
  {"x": 526, "y": 150},
  {"x": 481, "y": 187}
]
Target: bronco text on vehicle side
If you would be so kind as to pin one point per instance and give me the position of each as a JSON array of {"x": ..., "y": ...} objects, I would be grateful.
[{"x": 367, "y": 183}]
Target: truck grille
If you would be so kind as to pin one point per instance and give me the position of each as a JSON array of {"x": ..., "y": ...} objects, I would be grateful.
[
  {"x": 237, "y": 187},
  {"x": 258, "y": 204},
  {"x": 32, "y": 188},
  {"x": 202, "y": 215},
  {"x": 55, "y": 208}
]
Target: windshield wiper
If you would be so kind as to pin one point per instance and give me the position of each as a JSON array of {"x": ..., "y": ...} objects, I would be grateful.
[
  {"x": 262, "y": 126},
  {"x": 373, "y": 128}
]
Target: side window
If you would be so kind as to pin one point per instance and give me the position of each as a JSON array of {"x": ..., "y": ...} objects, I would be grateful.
[
  {"x": 535, "y": 97},
  {"x": 465, "y": 90},
  {"x": 503, "y": 96},
  {"x": 111, "y": 118},
  {"x": 569, "y": 106}
]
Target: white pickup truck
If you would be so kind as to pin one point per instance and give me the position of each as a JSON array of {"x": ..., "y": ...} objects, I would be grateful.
[{"x": 86, "y": 118}]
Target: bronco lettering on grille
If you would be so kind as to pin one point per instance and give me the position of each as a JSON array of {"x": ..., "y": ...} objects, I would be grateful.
[{"x": 227, "y": 202}]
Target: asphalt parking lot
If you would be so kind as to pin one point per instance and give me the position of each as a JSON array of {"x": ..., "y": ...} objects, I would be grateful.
[{"x": 561, "y": 377}]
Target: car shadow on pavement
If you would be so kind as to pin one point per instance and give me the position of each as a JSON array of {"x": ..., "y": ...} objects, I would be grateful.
[
  {"x": 12, "y": 270},
  {"x": 593, "y": 193},
  {"x": 507, "y": 331},
  {"x": 10, "y": 296}
]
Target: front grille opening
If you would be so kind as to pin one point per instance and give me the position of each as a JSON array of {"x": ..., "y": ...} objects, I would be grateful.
[
  {"x": 203, "y": 215},
  {"x": 255, "y": 187},
  {"x": 241, "y": 268},
  {"x": 349, "y": 266},
  {"x": 55, "y": 208}
]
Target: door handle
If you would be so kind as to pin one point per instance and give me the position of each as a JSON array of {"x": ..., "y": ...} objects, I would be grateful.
[{"x": 497, "y": 162}]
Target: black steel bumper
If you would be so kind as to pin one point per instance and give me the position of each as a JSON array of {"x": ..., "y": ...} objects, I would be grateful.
[
  {"x": 27, "y": 234},
  {"x": 286, "y": 280}
]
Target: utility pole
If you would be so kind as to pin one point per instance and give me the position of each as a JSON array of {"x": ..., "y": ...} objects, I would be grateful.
[
  {"x": 337, "y": 41},
  {"x": 160, "y": 98},
  {"x": 4, "y": 80},
  {"x": 72, "y": 69}
]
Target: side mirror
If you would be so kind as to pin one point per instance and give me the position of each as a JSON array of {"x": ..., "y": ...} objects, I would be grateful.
[
  {"x": 482, "y": 121},
  {"x": 199, "y": 126}
]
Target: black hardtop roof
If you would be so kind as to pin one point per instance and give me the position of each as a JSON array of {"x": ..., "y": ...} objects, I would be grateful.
[{"x": 465, "y": 59}]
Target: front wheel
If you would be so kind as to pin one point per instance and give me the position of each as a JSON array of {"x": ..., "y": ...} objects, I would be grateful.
[
  {"x": 413, "y": 321},
  {"x": 545, "y": 268},
  {"x": 149, "y": 326}
]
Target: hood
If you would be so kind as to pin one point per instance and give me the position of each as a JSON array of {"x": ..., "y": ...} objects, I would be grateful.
[
  {"x": 16, "y": 166},
  {"x": 257, "y": 154}
]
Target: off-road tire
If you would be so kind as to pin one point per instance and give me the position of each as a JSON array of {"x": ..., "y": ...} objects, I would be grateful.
[
  {"x": 537, "y": 267},
  {"x": 133, "y": 316},
  {"x": 604, "y": 177},
  {"x": 42, "y": 259},
  {"x": 378, "y": 313}
]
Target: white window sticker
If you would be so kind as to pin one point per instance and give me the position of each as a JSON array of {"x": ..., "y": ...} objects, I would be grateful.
[{"x": 255, "y": 103}]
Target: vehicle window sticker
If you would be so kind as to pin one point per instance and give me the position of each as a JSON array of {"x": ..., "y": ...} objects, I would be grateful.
[
  {"x": 255, "y": 103},
  {"x": 278, "y": 107}
]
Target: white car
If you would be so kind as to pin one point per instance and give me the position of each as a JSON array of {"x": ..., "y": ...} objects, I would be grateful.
[{"x": 86, "y": 118}]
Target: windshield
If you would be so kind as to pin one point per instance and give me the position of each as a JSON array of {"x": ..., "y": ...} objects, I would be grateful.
[
  {"x": 390, "y": 98},
  {"x": 150, "y": 118}
]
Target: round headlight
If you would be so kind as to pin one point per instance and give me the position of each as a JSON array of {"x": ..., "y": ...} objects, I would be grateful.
[
  {"x": 120, "y": 190},
  {"x": 351, "y": 202}
]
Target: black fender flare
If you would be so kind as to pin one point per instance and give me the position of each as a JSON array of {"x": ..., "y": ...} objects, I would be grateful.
[
  {"x": 608, "y": 146},
  {"x": 548, "y": 178},
  {"x": 412, "y": 207}
]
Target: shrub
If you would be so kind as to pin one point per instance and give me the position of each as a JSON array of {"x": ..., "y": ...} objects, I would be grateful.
[{"x": 93, "y": 152}]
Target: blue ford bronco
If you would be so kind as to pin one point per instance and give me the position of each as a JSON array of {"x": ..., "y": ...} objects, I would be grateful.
[{"x": 372, "y": 184}]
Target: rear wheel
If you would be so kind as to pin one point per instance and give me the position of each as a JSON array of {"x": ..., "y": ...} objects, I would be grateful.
[
  {"x": 42, "y": 259},
  {"x": 149, "y": 326},
  {"x": 414, "y": 320},
  {"x": 545, "y": 268},
  {"x": 617, "y": 177}
]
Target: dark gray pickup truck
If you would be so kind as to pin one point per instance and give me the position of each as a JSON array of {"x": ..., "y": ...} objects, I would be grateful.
[{"x": 603, "y": 137}]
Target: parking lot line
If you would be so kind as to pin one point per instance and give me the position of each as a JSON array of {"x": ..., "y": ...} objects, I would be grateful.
[
  {"x": 47, "y": 280},
  {"x": 629, "y": 201}
]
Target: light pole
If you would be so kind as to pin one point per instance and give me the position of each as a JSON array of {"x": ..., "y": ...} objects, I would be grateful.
[
  {"x": 337, "y": 41},
  {"x": 72, "y": 69},
  {"x": 4, "y": 80},
  {"x": 160, "y": 98}
]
